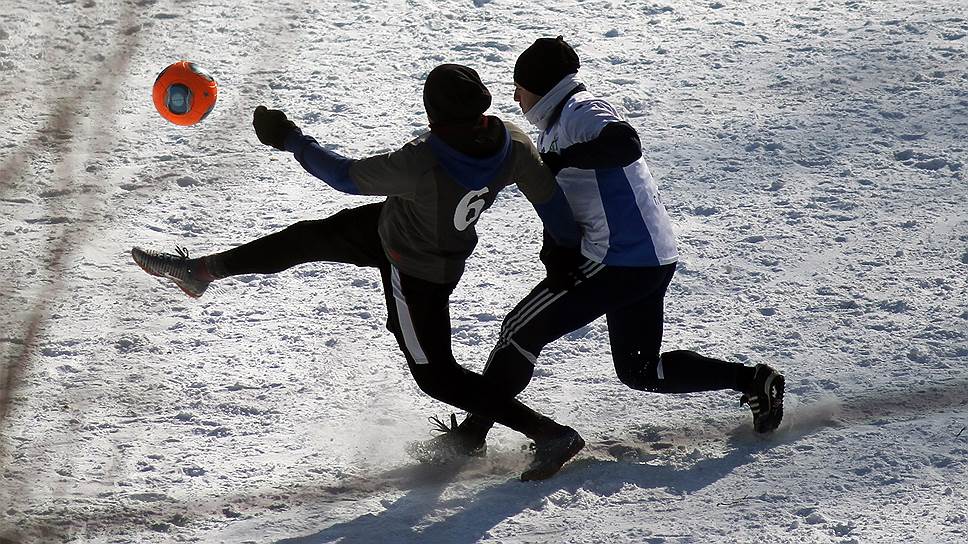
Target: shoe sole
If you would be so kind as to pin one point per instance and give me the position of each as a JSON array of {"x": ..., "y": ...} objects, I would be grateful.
[
  {"x": 773, "y": 419},
  {"x": 573, "y": 448}
]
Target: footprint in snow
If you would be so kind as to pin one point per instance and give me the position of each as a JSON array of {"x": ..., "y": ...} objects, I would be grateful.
[{"x": 922, "y": 161}]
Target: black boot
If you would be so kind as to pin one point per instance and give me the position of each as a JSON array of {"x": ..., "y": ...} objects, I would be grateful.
[
  {"x": 453, "y": 443},
  {"x": 553, "y": 451},
  {"x": 765, "y": 398}
]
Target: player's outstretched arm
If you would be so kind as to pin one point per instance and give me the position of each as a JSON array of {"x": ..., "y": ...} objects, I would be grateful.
[{"x": 273, "y": 128}]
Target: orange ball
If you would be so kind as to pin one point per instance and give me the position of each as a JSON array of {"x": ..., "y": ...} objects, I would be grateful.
[{"x": 183, "y": 94}]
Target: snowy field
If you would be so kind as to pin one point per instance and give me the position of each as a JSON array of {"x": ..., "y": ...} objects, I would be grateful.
[{"x": 813, "y": 156}]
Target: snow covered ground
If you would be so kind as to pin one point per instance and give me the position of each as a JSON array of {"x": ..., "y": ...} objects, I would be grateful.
[{"x": 812, "y": 155}]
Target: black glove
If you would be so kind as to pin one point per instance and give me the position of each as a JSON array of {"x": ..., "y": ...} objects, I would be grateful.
[
  {"x": 562, "y": 264},
  {"x": 272, "y": 127},
  {"x": 553, "y": 161}
]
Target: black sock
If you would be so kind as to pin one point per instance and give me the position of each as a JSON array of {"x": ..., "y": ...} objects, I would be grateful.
[
  {"x": 744, "y": 377},
  {"x": 476, "y": 426},
  {"x": 212, "y": 266}
]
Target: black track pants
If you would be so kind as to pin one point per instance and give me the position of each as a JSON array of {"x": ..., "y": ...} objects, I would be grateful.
[
  {"x": 349, "y": 236},
  {"x": 631, "y": 299},
  {"x": 418, "y": 311}
]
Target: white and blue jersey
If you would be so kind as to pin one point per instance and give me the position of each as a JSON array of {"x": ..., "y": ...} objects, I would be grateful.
[{"x": 621, "y": 215}]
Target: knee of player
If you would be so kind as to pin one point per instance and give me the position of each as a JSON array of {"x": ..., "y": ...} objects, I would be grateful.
[
  {"x": 510, "y": 384},
  {"x": 430, "y": 383},
  {"x": 642, "y": 378},
  {"x": 509, "y": 371},
  {"x": 438, "y": 380}
]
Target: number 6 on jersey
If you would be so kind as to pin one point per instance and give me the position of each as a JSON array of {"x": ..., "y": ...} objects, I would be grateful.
[{"x": 469, "y": 209}]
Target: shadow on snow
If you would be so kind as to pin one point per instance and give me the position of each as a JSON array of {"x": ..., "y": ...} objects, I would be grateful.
[{"x": 412, "y": 518}]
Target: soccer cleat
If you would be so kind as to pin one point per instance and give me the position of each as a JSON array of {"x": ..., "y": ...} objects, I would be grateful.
[
  {"x": 452, "y": 444},
  {"x": 551, "y": 453},
  {"x": 765, "y": 398},
  {"x": 178, "y": 268}
]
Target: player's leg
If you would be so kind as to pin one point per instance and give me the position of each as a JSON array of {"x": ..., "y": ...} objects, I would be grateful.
[
  {"x": 421, "y": 324},
  {"x": 548, "y": 313},
  {"x": 635, "y": 335},
  {"x": 349, "y": 236},
  {"x": 551, "y": 310},
  {"x": 428, "y": 310}
]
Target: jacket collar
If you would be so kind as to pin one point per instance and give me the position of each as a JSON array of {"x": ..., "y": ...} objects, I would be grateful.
[
  {"x": 547, "y": 110},
  {"x": 472, "y": 172}
]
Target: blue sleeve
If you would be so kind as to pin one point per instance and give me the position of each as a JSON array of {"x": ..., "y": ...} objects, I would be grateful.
[
  {"x": 558, "y": 220},
  {"x": 326, "y": 165}
]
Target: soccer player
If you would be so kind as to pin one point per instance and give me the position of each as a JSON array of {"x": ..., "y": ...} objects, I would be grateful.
[{"x": 621, "y": 269}]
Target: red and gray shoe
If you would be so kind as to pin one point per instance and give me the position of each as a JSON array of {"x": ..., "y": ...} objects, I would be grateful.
[
  {"x": 550, "y": 454},
  {"x": 186, "y": 273},
  {"x": 765, "y": 398}
]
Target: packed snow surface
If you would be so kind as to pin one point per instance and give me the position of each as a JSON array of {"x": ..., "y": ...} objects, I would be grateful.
[{"x": 812, "y": 155}]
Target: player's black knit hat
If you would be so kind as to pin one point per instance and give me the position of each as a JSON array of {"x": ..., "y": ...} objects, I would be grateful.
[
  {"x": 544, "y": 64},
  {"x": 455, "y": 94}
]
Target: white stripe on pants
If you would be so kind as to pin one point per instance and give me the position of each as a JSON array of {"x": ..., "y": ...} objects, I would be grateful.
[{"x": 406, "y": 323}]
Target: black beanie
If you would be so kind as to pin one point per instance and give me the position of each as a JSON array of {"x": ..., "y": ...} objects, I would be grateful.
[
  {"x": 544, "y": 64},
  {"x": 455, "y": 94}
]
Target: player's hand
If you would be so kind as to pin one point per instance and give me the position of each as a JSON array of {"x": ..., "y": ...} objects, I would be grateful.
[
  {"x": 563, "y": 265},
  {"x": 272, "y": 127},
  {"x": 553, "y": 161}
]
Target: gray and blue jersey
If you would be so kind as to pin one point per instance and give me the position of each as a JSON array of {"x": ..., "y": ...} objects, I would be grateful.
[{"x": 435, "y": 194}]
